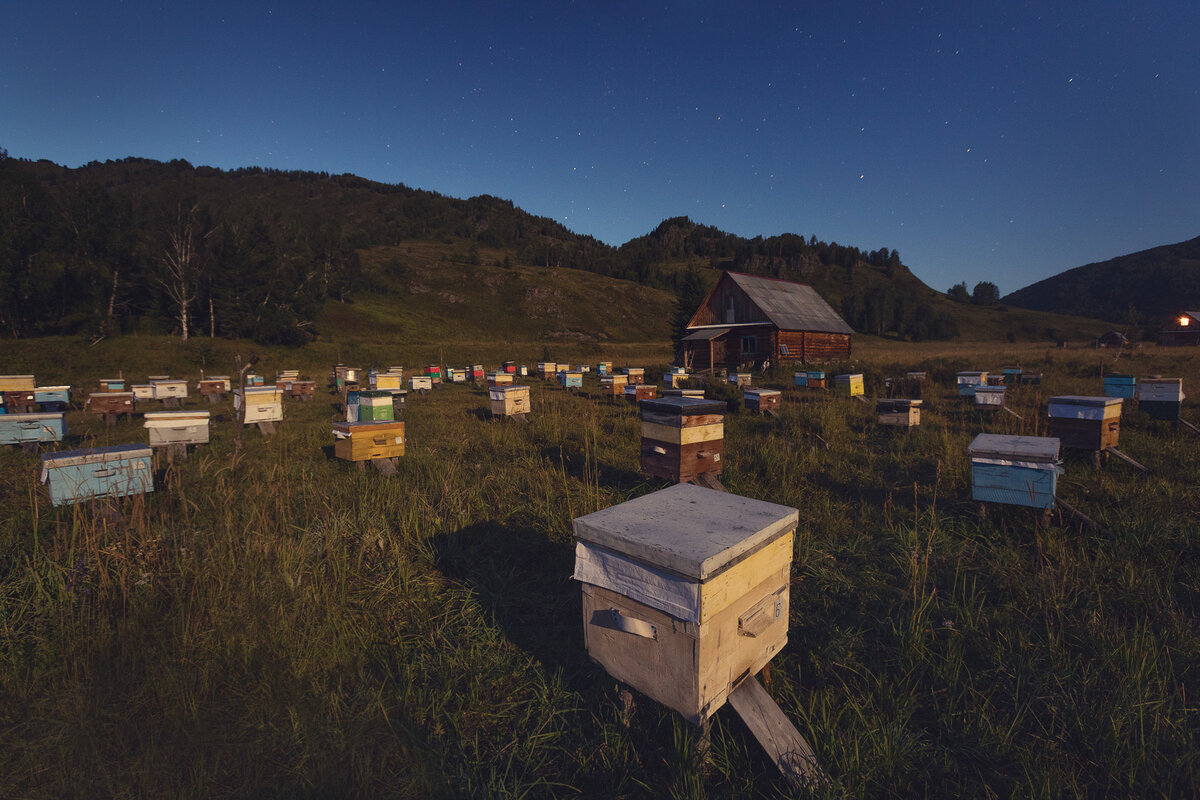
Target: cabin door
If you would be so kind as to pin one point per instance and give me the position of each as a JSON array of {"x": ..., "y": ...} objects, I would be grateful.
[{"x": 718, "y": 353}]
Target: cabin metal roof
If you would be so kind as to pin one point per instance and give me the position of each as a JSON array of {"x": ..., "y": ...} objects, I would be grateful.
[{"x": 791, "y": 306}]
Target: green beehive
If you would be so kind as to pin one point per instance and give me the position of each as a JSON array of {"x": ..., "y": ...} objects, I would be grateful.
[{"x": 375, "y": 406}]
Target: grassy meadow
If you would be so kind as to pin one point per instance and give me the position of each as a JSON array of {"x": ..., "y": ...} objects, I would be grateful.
[{"x": 272, "y": 622}]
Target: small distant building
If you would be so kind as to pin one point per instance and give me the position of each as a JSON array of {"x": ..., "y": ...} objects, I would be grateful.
[
  {"x": 1184, "y": 331},
  {"x": 1112, "y": 339},
  {"x": 746, "y": 318}
]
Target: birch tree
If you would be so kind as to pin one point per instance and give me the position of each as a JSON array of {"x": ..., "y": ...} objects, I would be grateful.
[{"x": 181, "y": 264}]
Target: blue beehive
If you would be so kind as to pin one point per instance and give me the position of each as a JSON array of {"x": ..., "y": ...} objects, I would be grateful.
[
  {"x": 118, "y": 471},
  {"x": 52, "y": 398},
  {"x": 800, "y": 379},
  {"x": 570, "y": 380},
  {"x": 967, "y": 381},
  {"x": 28, "y": 428},
  {"x": 1015, "y": 470},
  {"x": 1123, "y": 386}
]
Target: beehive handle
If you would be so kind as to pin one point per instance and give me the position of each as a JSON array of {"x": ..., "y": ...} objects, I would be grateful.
[{"x": 613, "y": 619}]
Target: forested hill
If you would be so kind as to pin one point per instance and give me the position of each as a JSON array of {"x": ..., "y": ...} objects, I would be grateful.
[
  {"x": 138, "y": 244},
  {"x": 1145, "y": 287}
]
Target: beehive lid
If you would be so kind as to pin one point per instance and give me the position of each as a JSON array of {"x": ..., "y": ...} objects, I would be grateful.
[
  {"x": 120, "y": 452},
  {"x": 686, "y": 529},
  {"x": 344, "y": 429},
  {"x": 971, "y": 374},
  {"x": 51, "y": 388},
  {"x": 1040, "y": 449},
  {"x": 847, "y": 378},
  {"x": 176, "y": 416},
  {"x": 33, "y": 416},
  {"x": 896, "y": 403},
  {"x": 1081, "y": 400},
  {"x": 761, "y": 392},
  {"x": 683, "y": 406},
  {"x": 374, "y": 393}
]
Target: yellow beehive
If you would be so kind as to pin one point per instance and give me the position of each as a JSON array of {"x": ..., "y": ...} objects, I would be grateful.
[{"x": 364, "y": 441}]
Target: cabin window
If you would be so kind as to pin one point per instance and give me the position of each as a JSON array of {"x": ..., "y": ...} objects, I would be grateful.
[
  {"x": 730, "y": 315},
  {"x": 749, "y": 345}
]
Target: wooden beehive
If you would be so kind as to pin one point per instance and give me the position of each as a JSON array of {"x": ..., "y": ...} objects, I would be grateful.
[
  {"x": 523, "y": 371},
  {"x": 634, "y": 375},
  {"x": 1016, "y": 470},
  {"x": 420, "y": 383},
  {"x": 1161, "y": 398},
  {"x": 476, "y": 373},
  {"x": 112, "y": 384},
  {"x": 303, "y": 390},
  {"x": 1123, "y": 386},
  {"x": 989, "y": 398},
  {"x": 685, "y": 592},
  {"x": 213, "y": 389},
  {"x": 816, "y": 379},
  {"x": 683, "y": 393},
  {"x": 368, "y": 440},
  {"x": 26, "y": 429},
  {"x": 16, "y": 383},
  {"x": 375, "y": 406},
  {"x": 682, "y": 437},
  {"x": 110, "y": 403},
  {"x": 967, "y": 381},
  {"x": 1012, "y": 375},
  {"x": 613, "y": 385},
  {"x": 387, "y": 380},
  {"x": 176, "y": 427},
  {"x": 499, "y": 378},
  {"x": 740, "y": 379},
  {"x": 253, "y": 379},
  {"x": 762, "y": 400},
  {"x": 800, "y": 379},
  {"x": 287, "y": 375},
  {"x": 117, "y": 471},
  {"x": 509, "y": 401},
  {"x": 570, "y": 379},
  {"x": 638, "y": 392},
  {"x": 52, "y": 398},
  {"x": 169, "y": 389},
  {"x": 604, "y": 368},
  {"x": 1085, "y": 423},
  {"x": 510, "y": 367},
  {"x": 20, "y": 402},
  {"x": 561, "y": 368},
  {"x": 848, "y": 385},
  {"x": 262, "y": 404},
  {"x": 674, "y": 378},
  {"x": 1031, "y": 378},
  {"x": 142, "y": 392},
  {"x": 899, "y": 412},
  {"x": 547, "y": 370}
]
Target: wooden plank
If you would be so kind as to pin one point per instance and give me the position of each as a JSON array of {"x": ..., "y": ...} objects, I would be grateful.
[
  {"x": 776, "y": 733},
  {"x": 1187, "y": 424},
  {"x": 385, "y": 466},
  {"x": 1065, "y": 506},
  {"x": 709, "y": 480},
  {"x": 1126, "y": 459}
]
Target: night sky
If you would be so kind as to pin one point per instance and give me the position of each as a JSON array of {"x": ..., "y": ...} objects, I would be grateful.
[{"x": 984, "y": 141}]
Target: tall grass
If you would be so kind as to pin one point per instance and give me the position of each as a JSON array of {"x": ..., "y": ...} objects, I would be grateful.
[{"x": 274, "y": 622}]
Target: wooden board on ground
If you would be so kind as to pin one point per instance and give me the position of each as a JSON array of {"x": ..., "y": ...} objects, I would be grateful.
[{"x": 776, "y": 733}]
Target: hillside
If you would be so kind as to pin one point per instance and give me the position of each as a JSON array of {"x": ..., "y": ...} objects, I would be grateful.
[
  {"x": 141, "y": 246},
  {"x": 1145, "y": 287}
]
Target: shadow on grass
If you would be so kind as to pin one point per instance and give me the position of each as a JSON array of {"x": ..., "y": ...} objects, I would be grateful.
[{"x": 524, "y": 582}]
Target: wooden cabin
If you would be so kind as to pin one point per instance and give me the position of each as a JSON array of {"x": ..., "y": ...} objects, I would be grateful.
[
  {"x": 1161, "y": 398},
  {"x": 167, "y": 428},
  {"x": 368, "y": 440},
  {"x": 118, "y": 471},
  {"x": 762, "y": 401},
  {"x": 32, "y": 428},
  {"x": 1184, "y": 331},
  {"x": 509, "y": 400},
  {"x": 1112, "y": 339},
  {"x": 748, "y": 319},
  {"x": 848, "y": 385},
  {"x": 899, "y": 412},
  {"x": 682, "y": 437},
  {"x": 1015, "y": 470},
  {"x": 1123, "y": 386},
  {"x": 1085, "y": 423},
  {"x": 685, "y": 592}
]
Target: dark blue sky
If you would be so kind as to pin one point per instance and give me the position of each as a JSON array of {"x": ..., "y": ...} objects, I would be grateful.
[{"x": 984, "y": 141}]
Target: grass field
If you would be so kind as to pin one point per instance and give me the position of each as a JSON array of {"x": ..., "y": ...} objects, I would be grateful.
[{"x": 273, "y": 622}]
